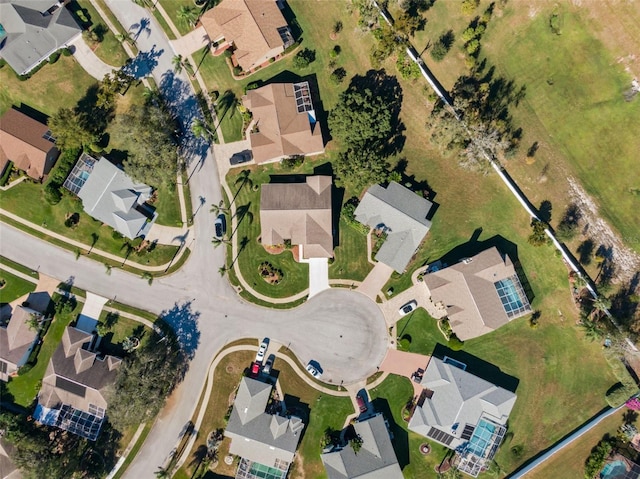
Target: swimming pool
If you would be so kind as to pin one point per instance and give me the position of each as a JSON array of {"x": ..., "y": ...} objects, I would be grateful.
[
  {"x": 614, "y": 470},
  {"x": 482, "y": 438}
]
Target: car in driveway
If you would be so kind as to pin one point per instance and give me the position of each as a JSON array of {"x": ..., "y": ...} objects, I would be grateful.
[
  {"x": 408, "y": 307},
  {"x": 268, "y": 364},
  {"x": 262, "y": 350},
  {"x": 220, "y": 225},
  {"x": 241, "y": 157},
  {"x": 362, "y": 404},
  {"x": 255, "y": 370},
  {"x": 313, "y": 369}
]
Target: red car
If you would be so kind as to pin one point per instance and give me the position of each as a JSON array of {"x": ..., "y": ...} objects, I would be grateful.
[
  {"x": 255, "y": 370},
  {"x": 362, "y": 405}
]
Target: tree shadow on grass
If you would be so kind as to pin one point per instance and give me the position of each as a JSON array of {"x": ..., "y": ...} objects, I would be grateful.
[{"x": 184, "y": 323}]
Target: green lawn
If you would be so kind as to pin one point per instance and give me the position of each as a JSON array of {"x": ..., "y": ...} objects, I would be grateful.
[
  {"x": 584, "y": 125},
  {"x": 55, "y": 86},
  {"x": 172, "y": 7},
  {"x": 168, "y": 207},
  {"x": 163, "y": 23},
  {"x": 230, "y": 119},
  {"x": 421, "y": 330},
  {"x": 110, "y": 49},
  {"x": 569, "y": 463},
  {"x": 26, "y": 201},
  {"x": 350, "y": 255},
  {"x": 18, "y": 267},
  {"x": 390, "y": 398},
  {"x": 14, "y": 287},
  {"x": 25, "y": 387}
]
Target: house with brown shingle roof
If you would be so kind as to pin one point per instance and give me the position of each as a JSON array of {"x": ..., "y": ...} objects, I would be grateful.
[
  {"x": 17, "y": 340},
  {"x": 284, "y": 122},
  {"x": 480, "y": 293},
  {"x": 299, "y": 212},
  {"x": 255, "y": 28},
  {"x": 72, "y": 396},
  {"x": 27, "y": 143}
]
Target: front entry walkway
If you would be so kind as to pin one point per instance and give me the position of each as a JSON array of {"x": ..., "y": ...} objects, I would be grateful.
[{"x": 318, "y": 275}]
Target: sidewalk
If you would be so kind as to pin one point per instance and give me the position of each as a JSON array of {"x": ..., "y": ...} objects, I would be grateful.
[{"x": 86, "y": 247}]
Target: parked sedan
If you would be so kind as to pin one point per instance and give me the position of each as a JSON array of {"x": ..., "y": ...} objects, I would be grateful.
[
  {"x": 314, "y": 370},
  {"x": 268, "y": 364},
  {"x": 220, "y": 225},
  {"x": 407, "y": 308},
  {"x": 262, "y": 351},
  {"x": 239, "y": 158}
]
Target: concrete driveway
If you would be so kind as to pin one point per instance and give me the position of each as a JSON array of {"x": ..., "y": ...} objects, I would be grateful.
[
  {"x": 318, "y": 275},
  {"x": 89, "y": 60},
  {"x": 375, "y": 280}
]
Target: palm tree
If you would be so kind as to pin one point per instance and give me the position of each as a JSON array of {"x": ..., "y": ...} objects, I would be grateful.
[
  {"x": 591, "y": 329},
  {"x": 601, "y": 306},
  {"x": 149, "y": 94},
  {"x": 188, "y": 15},
  {"x": 162, "y": 472},
  {"x": 178, "y": 63},
  {"x": 126, "y": 37},
  {"x": 219, "y": 208},
  {"x": 218, "y": 241},
  {"x": 200, "y": 129}
]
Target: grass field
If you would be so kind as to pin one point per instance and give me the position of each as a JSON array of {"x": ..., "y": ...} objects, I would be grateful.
[
  {"x": 55, "y": 86},
  {"x": 569, "y": 463},
  {"x": 422, "y": 330},
  {"x": 230, "y": 119},
  {"x": 582, "y": 125},
  {"x": 13, "y": 287}
]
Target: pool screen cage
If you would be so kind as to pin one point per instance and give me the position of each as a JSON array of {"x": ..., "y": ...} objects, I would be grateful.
[{"x": 474, "y": 456}]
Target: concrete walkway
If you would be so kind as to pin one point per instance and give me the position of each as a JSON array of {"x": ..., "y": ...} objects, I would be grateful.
[
  {"x": 375, "y": 280},
  {"x": 89, "y": 61},
  {"x": 191, "y": 42}
]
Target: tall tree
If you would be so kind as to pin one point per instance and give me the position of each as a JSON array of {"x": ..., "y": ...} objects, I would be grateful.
[
  {"x": 201, "y": 129},
  {"x": 69, "y": 129},
  {"x": 188, "y": 15},
  {"x": 149, "y": 132}
]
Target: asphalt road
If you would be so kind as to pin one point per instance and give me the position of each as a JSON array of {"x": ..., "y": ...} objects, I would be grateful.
[{"x": 343, "y": 330}]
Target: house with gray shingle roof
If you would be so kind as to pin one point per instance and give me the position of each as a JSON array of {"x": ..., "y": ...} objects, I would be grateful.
[
  {"x": 266, "y": 442},
  {"x": 402, "y": 214},
  {"x": 17, "y": 340},
  {"x": 33, "y": 30},
  {"x": 462, "y": 412},
  {"x": 110, "y": 196},
  {"x": 480, "y": 293},
  {"x": 376, "y": 458}
]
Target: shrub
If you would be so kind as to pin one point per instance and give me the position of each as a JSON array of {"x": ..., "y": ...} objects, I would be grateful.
[
  {"x": 7, "y": 173},
  {"x": 52, "y": 194},
  {"x": 66, "y": 51},
  {"x": 335, "y": 51},
  {"x": 3, "y": 62},
  {"x": 292, "y": 162},
  {"x": 407, "y": 68},
  {"x": 596, "y": 460},
  {"x": 237, "y": 71},
  {"x": 454, "y": 343},
  {"x": 469, "y": 6},
  {"x": 338, "y": 75},
  {"x": 304, "y": 58},
  {"x": 214, "y": 95},
  {"x": 538, "y": 237},
  {"x": 438, "y": 51},
  {"x": 228, "y": 53},
  {"x": 54, "y": 57}
]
